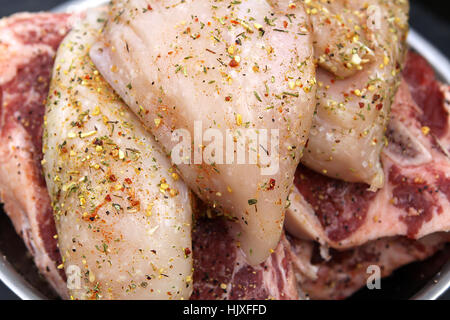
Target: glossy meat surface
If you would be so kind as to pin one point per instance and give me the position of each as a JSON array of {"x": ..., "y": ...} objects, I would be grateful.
[
  {"x": 360, "y": 49},
  {"x": 28, "y": 44},
  {"x": 123, "y": 215},
  {"x": 222, "y": 273},
  {"x": 233, "y": 67},
  {"x": 415, "y": 199},
  {"x": 348, "y": 271}
]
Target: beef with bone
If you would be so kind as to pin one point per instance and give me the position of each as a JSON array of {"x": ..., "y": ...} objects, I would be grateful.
[
  {"x": 28, "y": 44},
  {"x": 416, "y": 198}
]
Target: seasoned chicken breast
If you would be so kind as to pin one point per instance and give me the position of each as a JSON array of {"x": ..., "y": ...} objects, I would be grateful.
[
  {"x": 214, "y": 70},
  {"x": 122, "y": 214},
  {"x": 415, "y": 200},
  {"x": 360, "y": 49}
]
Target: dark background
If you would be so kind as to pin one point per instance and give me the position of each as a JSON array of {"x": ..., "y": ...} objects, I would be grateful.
[{"x": 428, "y": 17}]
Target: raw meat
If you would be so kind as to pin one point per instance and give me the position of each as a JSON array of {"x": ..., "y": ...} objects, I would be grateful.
[
  {"x": 222, "y": 273},
  {"x": 28, "y": 43},
  {"x": 415, "y": 200},
  {"x": 122, "y": 214},
  {"x": 347, "y": 271},
  {"x": 360, "y": 48},
  {"x": 234, "y": 69}
]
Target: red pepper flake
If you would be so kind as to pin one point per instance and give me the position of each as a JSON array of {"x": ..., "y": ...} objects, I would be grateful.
[
  {"x": 135, "y": 203},
  {"x": 227, "y": 98},
  {"x": 361, "y": 105},
  {"x": 285, "y": 24},
  {"x": 187, "y": 252},
  {"x": 149, "y": 7},
  {"x": 271, "y": 184},
  {"x": 108, "y": 198},
  {"x": 112, "y": 178},
  {"x": 234, "y": 63},
  {"x": 379, "y": 106},
  {"x": 327, "y": 50},
  {"x": 128, "y": 180}
]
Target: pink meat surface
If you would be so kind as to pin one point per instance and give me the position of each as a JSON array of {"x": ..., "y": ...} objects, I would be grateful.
[
  {"x": 221, "y": 272},
  {"x": 415, "y": 200},
  {"x": 28, "y": 44}
]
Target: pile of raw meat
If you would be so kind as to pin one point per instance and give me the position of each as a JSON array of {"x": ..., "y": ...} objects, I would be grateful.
[{"x": 230, "y": 240}]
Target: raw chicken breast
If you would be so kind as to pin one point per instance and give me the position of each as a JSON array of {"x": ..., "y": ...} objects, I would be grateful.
[
  {"x": 415, "y": 200},
  {"x": 360, "y": 48},
  {"x": 122, "y": 214},
  {"x": 232, "y": 68}
]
